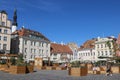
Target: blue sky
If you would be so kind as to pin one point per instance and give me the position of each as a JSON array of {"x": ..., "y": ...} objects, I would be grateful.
[{"x": 67, "y": 20}]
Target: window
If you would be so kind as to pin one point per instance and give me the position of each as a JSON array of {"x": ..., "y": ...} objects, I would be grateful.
[
  {"x": 0, "y": 37},
  {"x": 91, "y": 53},
  {"x": 46, "y": 51},
  {"x": 86, "y": 54},
  {"x": 42, "y": 44},
  {"x": 105, "y": 45},
  {"x": 34, "y": 43},
  {"x": 42, "y": 52},
  {"x": 31, "y": 50},
  {"x": 97, "y": 46},
  {"x": 39, "y": 44},
  {"x": 25, "y": 56},
  {"x": 46, "y": 45},
  {"x": 3, "y": 23},
  {"x": 4, "y": 46},
  {"x": 25, "y": 50},
  {"x": 5, "y": 31},
  {"x": 3, "y": 16},
  {"x": 55, "y": 55},
  {"x": 0, "y": 46},
  {"x": 5, "y": 38},
  {"x": 102, "y": 53},
  {"x": 110, "y": 52},
  {"x": 39, "y": 50},
  {"x": 106, "y": 53},
  {"x": 101, "y": 46},
  {"x": 98, "y": 53},
  {"x": 0, "y": 30},
  {"x": 34, "y": 50},
  {"x": 25, "y": 42}
]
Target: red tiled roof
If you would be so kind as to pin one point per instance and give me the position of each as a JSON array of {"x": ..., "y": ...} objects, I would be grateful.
[
  {"x": 59, "y": 48},
  {"x": 88, "y": 44},
  {"x": 27, "y": 32}
]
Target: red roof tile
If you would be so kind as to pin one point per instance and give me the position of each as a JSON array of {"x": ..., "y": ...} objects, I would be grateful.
[
  {"x": 59, "y": 48},
  {"x": 88, "y": 44},
  {"x": 28, "y": 32}
]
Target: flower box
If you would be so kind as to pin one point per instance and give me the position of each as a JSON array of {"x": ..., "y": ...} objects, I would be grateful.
[
  {"x": 3, "y": 67},
  {"x": 115, "y": 69},
  {"x": 49, "y": 67},
  {"x": 17, "y": 69},
  {"x": 29, "y": 69},
  {"x": 77, "y": 71}
]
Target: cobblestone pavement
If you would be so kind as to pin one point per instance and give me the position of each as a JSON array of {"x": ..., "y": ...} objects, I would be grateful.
[{"x": 54, "y": 75}]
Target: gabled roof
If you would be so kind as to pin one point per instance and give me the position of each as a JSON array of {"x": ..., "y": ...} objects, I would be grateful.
[
  {"x": 60, "y": 48},
  {"x": 28, "y": 33},
  {"x": 88, "y": 44}
]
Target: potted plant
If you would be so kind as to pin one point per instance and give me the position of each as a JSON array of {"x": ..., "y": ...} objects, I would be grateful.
[
  {"x": 77, "y": 70},
  {"x": 17, "y": 65},
  {"x": 3, "y": 64}
]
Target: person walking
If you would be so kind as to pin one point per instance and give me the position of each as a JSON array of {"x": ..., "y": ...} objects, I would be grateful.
[
  {"x": 94, "y": 69},
  {"x": 108, "y": 69}
]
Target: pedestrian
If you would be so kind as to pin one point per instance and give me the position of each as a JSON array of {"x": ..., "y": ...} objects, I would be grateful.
[
  {"x": 94, "y": 69},
  {"x": 108, "y": 69},
  {"x": 65, "y": 65}
]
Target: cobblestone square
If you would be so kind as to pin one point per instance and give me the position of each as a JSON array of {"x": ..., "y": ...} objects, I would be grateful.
[{"x": 54, "y": 75}]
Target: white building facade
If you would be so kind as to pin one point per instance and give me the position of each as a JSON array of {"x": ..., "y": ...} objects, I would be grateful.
[
  {"x": 60, "y": 53},
  {"x": 5, "y": 32},
  {"x": 31, "y": 44},
  {"x": 102, "y": 49},
  {"x": 87, "y": 55},
  {"x": 99, "y": 51}
]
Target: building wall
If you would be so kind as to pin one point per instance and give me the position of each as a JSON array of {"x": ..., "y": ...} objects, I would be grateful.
[
  {"x": 61, "y": 57},
  {"x": 5, "y": 32},
  {"x": 87, "y": 55},
  {"x": 32, "y": 48},
  {"x": 74, "y": 48},
  {"x": 102, "y": 48}
]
